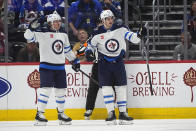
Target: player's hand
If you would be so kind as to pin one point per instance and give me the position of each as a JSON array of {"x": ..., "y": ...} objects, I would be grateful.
[
  {"x": 142, "y": 32},
  {"x": 35, "y": 23},
  {"x": 76, "y": 65},
  {"x": 81, "y": 51},
  {"x": 89, "y": 56}
]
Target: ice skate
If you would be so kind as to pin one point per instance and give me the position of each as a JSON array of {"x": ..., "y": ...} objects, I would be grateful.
[
  {"x": 64, "y": 119},
  {"x": 124, "y": 119},
  {"x": 40, "y": 119},
  {"x": 111, "y": 120},
  {"x": 87, "y": 114}
]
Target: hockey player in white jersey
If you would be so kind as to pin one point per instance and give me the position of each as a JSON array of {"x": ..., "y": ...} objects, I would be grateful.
[
  {"x": 54, "y": 46},
  {"x": 109, "y": 39}
]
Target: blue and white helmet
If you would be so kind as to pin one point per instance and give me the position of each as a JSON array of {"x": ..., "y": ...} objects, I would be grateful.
[
  {"x": 53, "y": 17},
  {"x": 105, "y": 14}
]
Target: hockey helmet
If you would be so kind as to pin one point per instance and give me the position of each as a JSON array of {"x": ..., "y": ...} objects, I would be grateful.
[
  {"x": 53, "y": 17},
  {"x": 106, "y": 14}
]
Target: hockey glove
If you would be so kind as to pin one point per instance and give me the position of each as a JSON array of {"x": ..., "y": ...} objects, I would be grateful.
[
  {"x": 89, "y": 56},
  {"x": 81, "y": 51},
  {"x": 35, "y": 23},
  {"x": 76, "y": 65},
  {"x": 142, "y": 32}
]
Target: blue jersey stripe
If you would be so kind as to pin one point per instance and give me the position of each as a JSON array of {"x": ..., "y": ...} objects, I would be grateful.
[
  {"x": 110, "y": 59},
  {"x": 130, "y": 36},
  {"x": 122, "y": 102},
  {"x": 42, "y": 101},
  {"x": 67, "y": 47},
  {"x": 121, "y": 105},
  {"x": 109, "y": 96},
  {"x": 68, "y": 51},
  {"x": 44, "y": 95},
  {"x": 52, "y": 67},
  {"x": 126, "y": 35},
  {"x": 60, "y": 102},
  {"x": 107, "y": 102}
]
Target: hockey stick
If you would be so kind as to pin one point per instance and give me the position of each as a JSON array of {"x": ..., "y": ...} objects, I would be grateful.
[
  {"x": 148, "y": 68},
  {"x": 96, "y": 82},
  {"x": 146, "y": 56}
]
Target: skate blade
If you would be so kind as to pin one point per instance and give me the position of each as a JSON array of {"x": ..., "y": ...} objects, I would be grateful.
[
  {"x": 64, "y": 122},
  {"x": 38, "y": 123},
  {"x": 87, "y": 118},
  {"x": 111, "y": 122},
  {"x": 124, "y": 122}
]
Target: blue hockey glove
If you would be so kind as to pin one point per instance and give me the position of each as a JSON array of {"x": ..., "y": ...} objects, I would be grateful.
[
  {"x": 142, "y": 32},
  {"x": 89, "y": 56},
  {"x": 76, "y": 65}
]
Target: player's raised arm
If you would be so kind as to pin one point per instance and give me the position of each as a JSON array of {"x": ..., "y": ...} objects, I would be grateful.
[{"x": 135, "y": 37}]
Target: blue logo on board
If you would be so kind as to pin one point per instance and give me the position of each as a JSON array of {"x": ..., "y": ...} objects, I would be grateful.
[{"x": 5, "y": 87}]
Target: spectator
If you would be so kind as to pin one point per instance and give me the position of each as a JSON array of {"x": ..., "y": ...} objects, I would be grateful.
[
  {"x": 193, "y": 10},
  {"x": 114, "y": 6},
  {"x": 192, "y": 30},
  {"x": 134, "y": 12},
  {"x": 30, "y": 53},
  {"x": 2, "y": 44},
  {"x": 29, "y": 9},
  {"x": 82, "y": 37},
  {"x": 84, "y": 14},
  {"x": 42, "y": 2},
  {"x": 53, "y": 5},
  {"x": 14, "y": 6},
  {"x": 190, "y": 16},
  {"x": 1, "y": 25},
  {"x": 179, "y": 49},
  {"x": 2, "y": 38}
]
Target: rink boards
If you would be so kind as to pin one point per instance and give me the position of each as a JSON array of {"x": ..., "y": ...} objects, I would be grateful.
[{"x": 173, "y": 85}]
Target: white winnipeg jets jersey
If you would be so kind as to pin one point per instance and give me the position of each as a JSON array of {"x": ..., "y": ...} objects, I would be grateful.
[
  {"x": 53, "y": 46},
  {"x": 112, "y": 42}
]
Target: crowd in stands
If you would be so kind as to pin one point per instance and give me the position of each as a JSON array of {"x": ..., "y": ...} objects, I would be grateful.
[
  {"x": 83, "y": 17},
  {"x": 191, "y": 37}
]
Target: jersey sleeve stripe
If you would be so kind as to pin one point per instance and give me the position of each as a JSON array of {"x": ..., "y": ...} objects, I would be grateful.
[
  {"x": 126, "y": 34},
  {"x": 130, "y": 36},
  {"x": 68, "y": 50},
  {"x": 32, "y": 40},
  {"x": 66, "y": 47}
]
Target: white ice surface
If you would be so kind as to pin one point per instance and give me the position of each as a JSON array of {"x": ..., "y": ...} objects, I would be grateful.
[{"x": 100, "y": 125}]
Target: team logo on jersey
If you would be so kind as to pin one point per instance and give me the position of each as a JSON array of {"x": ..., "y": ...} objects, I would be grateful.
[
  {"x": 112, "y": 45},
  {"x": 57, "y": 47}
]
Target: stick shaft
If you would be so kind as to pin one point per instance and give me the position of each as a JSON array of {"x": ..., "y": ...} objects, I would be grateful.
[{"x": 96, "y": 82}]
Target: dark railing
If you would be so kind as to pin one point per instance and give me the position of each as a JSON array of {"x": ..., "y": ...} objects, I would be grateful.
[{"x": 156, "y": 16}]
